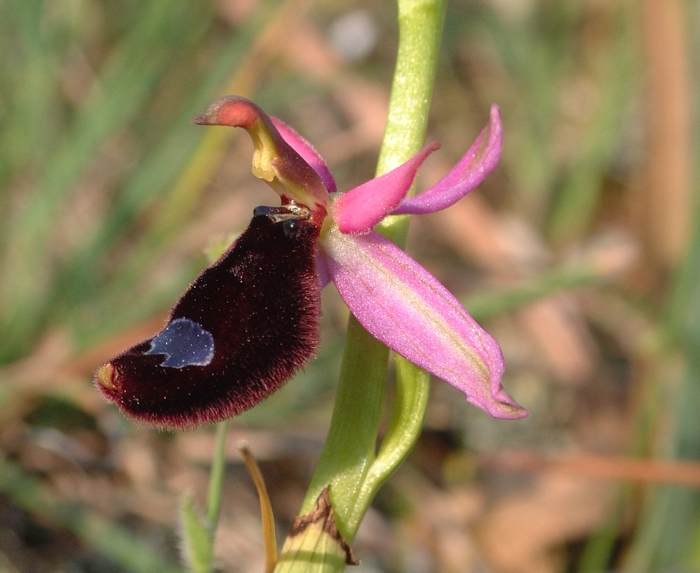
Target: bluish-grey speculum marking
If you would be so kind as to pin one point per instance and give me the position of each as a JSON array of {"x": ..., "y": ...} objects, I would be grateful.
[{"x": 184, "y": 343}]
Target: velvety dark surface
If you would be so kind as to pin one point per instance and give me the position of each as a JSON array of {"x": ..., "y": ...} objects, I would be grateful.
[{"x": 260, "y": 302}]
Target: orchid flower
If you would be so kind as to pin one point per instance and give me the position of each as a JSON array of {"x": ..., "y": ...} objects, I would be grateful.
[
  {"x": 250, "y": 320},
  {"x": 391, "y": 295}
]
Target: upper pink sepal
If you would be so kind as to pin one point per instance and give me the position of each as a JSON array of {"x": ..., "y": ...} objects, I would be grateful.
[
  {"x": 472, "y": 169},
  {"x": 307, "y": 151},
  {"x": 361, "y": 208},
  {"x": 405, "y": 307}
]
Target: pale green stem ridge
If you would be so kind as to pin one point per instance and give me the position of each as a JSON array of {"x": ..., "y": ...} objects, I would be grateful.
[
  {"x": 410, "y": 403},
  {"x": 349, "y": 461}
]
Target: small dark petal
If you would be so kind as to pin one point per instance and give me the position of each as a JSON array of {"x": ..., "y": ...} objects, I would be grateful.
[{"x": 243, "y": 327}]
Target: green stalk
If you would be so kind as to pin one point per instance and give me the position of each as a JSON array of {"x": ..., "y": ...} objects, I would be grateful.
[
  {"x": 197, "y": 530},
  {"x": 349, "y": 461},
  {"x": 216, "y": 478}
]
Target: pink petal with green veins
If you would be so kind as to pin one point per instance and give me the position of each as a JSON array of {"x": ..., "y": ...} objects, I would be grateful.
[
  {"x": 406, "y": 308},
  {"x": 471, "y": 170},
  {"x": 308, "y": 153},
  {"x": 361, "y": 208}
]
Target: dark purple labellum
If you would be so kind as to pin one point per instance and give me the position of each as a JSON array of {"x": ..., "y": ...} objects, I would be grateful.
[{"x": 243, "y": 327}]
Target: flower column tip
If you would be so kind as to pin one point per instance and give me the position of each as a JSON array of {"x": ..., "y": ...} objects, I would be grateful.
[
  {"x": 275, "y": 161},
  {"x": 232, "y": 111}
]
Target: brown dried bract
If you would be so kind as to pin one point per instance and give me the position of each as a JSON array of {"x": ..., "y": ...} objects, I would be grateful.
[{"x": 322, "y": 513}]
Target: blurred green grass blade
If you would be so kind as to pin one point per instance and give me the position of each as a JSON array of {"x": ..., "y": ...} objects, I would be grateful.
[
  {"x": 115, "y": 542},
  {"x": 600, "y": 545},
  {"x": 149, "y": 180},
  {"x": 495, "y": 302},
  {"x": 539, "y": 55},
  {"x": 579, "y": 197},
  {"x": 236, "y": 66},
  {"x": 684, "y": 325},
  {"x": 598, "y": 553},
  {"x": 126, "y": 84},
  {"x": 667, "y": 532},
  {"x": 679, "y": 539},
  {"x": 28, "y": 102}
]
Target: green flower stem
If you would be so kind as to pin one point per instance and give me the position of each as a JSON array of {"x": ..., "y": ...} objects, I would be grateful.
[
  {"x": 349, "y": 461},
  {"x": 216, "y": 478},
  {"x": 410, "y": 403},
  {"x": 350, "y": 446}
]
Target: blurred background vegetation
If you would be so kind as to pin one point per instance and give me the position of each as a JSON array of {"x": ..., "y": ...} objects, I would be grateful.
[{"x": 580, "y": 253}]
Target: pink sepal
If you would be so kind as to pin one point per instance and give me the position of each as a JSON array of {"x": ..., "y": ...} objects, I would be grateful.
[
  {"x": 471, "y": 170},
  {"x": 405, "y": 307},
  {"x": 308, "y": 153},
  {"x": 361, "y": 208}
]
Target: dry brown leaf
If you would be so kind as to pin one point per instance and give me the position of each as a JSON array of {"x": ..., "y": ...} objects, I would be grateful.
[
  {"x": 560, "y": 337},
  {"x": 522, "y": 530}
]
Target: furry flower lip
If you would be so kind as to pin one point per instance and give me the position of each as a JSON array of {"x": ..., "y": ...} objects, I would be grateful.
[
  {"x": 230, "y": 343},
  {"x": 242, "y": 328}
]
